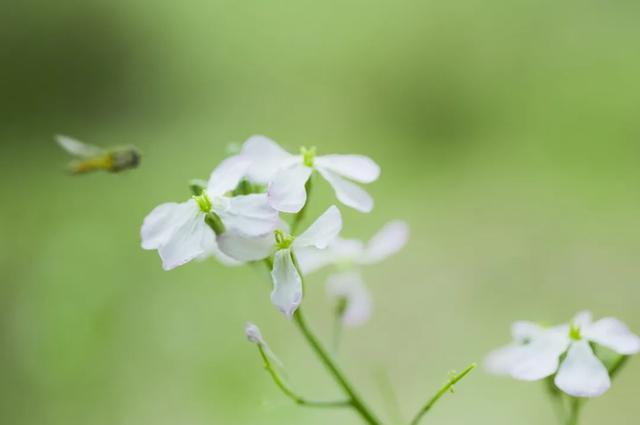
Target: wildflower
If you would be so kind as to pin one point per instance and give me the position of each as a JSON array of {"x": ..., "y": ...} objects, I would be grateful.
[
  {"x": 185, "y": 231},
  {"x": 287, "y": 174},
  {"x": 347, "y": 286},
  {"x": 537, "y": 353},
  {"x": 287, "y": 282}
]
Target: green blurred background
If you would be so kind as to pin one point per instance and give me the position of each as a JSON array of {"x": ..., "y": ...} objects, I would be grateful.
[{"x": 508, "y": 135}]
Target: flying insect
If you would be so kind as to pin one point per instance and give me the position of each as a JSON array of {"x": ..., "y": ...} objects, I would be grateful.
[{"x": 90, "y": 158}]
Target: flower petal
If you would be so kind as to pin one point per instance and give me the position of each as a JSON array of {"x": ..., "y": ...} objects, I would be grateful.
[
  {"x": 188, "y": 242},
  {"x": 243, "y": 248},
  {"x": 347, "y": 192},
  {"x": 322, "y": 231},
  {"x": 539, "y": 358},
  {"x": 582, "y": 374},
  {"x": 227, "y": 175},
  {"x": 389, "y": 240},
  {"x": 351, "y": 287},
  {"x": 287, "y": 284},
  {"x": 502, "y": 360},
  {"x": 286, "y": 191},
  {"x": 249, "y": 215},
  {"x": 612, "y": 333},
  {"x": 355, "y": 167},
  {"x": 312, "y": 259},
  {"x": 161, "y": 223},
  {"x": 582, "y": 319},
  {"x": 266, "y": 157}
]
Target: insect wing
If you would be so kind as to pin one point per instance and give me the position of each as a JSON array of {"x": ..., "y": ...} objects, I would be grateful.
[{"x": 77, "y": 148}]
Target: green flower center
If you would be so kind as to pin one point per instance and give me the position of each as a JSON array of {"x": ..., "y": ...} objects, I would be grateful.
[
  {"x": 574, "y": 332},
  {"x": 283, "y": 241},
  {"x": 308, "y": 155},
  {"x": 203, "y": 201}
]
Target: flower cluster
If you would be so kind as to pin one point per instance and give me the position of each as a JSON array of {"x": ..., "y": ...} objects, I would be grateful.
[
  {"x": 236, "y": 215},
  {"x": 565, "y": 352}
]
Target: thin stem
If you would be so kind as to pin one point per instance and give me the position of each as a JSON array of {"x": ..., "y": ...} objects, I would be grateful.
[
  {"x": 280, "y": 383},
  {"x": 574, "y": 411},
  {"x": 355, "y": 400},
  {"x": 556, "y": 398},
  {"x": 300, "y": 215},
  {"x": 617, "y": 365},
  {"x": 442, "y": 391},
  {"x": 338, "y": 326}
]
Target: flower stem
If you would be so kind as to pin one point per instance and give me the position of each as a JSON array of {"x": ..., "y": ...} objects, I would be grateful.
[
  {"x": 442, "y": 391},
  {"x": 280, "y": 383},
  {"x": 354, "y": 399},
  {"x": 574, "y": 411}
]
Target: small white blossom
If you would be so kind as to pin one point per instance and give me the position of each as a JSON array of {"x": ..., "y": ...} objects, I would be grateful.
[
  {"x": 536, "y": 352},
  {"x": 350, "y": 287},
  {"x": 287, "y": 282},
  {"x": 179, "y": 231},
  {"x": 287, "y": 174}
]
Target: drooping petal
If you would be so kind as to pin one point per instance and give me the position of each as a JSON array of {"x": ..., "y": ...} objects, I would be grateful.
[
  {"x": 162, "y": 222},
  {"x": 389, "y": 240},
  {"x": 227, "y": 175},
  {"x": 582, "y": 374},
  {"x": 322, "y": 231},
  {"x": 286, "y": 191},
  {"x": 539, "y": 358},
  {"x": 188, "y": 242},
  {"x": 249, "y": 215},
  {"x": 612, "y": 333},
  {"x": 266, "y": 157},
  {"x": 287, "y": 284},
  {"x": 347, "y": 192},
  {"x": 355, "y": 167},
  {"x": 211, "y": 249},
  {"x": 244, "y": 248},
  {"x": 359, "y": 303}
]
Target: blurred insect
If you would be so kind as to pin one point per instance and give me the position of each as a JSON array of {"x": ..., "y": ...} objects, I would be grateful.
[{"x": 92, "y": 158}]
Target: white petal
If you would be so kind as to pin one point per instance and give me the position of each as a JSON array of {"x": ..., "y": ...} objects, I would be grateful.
[
  {"x": 244, "y": 248},
  {"x": 613, "y": 334},
  {"x": 389, "y": 240},
  {"x": 582, "y": 319},
  {"x": 287, "y": 284},
  {"x": 322, "y": 231},
  {"x": 162, "y": 222},
  {"x": 78, "y": 148},
  {"x": 540, "y": 357},
  {"x": 266, "y": 157},
  {"x": 286, "y": 191},
  {"x": 227, "y": 175},
  {"x": 249, "y": 215},
  {"x": 582, "y": 374},
  {"x": 355, "y": 167},
  {"x": 312, "y": 259},
  {"x": 347, "y": 192},
  {"x": 524, "y": 332},
  {"x": 188, "y": 242},
  {"x": 502, "y": 360},
  {"x": 211, "y": 249},
  {"x": 351, "y": 287}
]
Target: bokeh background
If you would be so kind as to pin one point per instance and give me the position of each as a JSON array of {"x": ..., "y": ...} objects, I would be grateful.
[{"x": 509, "y": 139}]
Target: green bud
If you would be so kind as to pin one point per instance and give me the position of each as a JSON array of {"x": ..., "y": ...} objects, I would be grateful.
[
  {"x": 197, "y": 186},
  {"x": 213, "y": 220},
  {"x": 283, "y": 241},
  {"x": 574, "y": 332},
  {"x": 308, "y": 155}
]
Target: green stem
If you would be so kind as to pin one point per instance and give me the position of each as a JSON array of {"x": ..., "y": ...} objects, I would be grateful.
[
  {"x": 280, "y": 383},
  {"x": 574, "y": 411},
  {"x": 442, "y": 391},
  {"x": 354, "y": 399},
  {"x": 617, "y": 365}
]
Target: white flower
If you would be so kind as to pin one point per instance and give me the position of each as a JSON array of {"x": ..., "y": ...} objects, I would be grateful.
[
  {"x": 349, "y": 286},
  {"x": 287, "y": 283},
  {"x": 536, "y": 353},
  {"x": 182, "y": 232},
  {"x": 348, "y": 254},
  {"x": 287, "y": 174}
]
